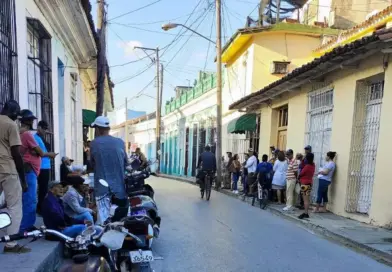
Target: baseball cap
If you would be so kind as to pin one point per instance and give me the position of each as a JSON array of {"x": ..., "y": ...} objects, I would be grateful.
[
  {"x": 43, "y": 124},
  {"x": 289, "y": 151},
  {"x": 101, "y": 121},
  {"x": 53, "y": 183},
  {"x": 27, "y": 115},
  {"x": 308, "y": 147}
]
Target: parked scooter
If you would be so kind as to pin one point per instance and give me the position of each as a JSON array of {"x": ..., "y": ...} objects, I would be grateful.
[{"x": 132, "y": 254}]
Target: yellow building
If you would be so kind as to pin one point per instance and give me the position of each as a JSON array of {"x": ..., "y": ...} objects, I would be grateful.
[
  {"x": 337, "y": 102},
  {"x": 255, "y": 57}
]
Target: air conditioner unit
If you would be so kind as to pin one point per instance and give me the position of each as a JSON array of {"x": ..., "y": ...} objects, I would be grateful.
[
  {"x": 280, "y": 67},
  {"x": 331, "y": 20}
]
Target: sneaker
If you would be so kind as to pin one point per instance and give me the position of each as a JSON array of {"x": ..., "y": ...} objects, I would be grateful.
[
  {"x": 287, "y": 208},
  {"x": 18, "y": 249},
  {"x": 303, "y": 216}
]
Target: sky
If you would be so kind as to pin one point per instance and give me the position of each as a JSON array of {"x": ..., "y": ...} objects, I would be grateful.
[{"x": 132, "y": 71}]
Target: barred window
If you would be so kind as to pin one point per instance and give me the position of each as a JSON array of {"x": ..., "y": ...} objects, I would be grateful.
[
  {"x": 39, "y": 76},
  {"x": 8, "y": 53}
]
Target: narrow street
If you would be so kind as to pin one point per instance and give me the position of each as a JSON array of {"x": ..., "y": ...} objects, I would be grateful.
[{"x": 228, "y": 235}]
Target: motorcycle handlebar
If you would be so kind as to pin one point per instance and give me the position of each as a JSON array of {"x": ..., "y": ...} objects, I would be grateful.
[{"x": 36, "y": 233}]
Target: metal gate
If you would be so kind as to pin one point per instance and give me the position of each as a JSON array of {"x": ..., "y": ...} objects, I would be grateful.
[
  {"x": 8, "y": 55},
  {"x": 319, "y": 126},
  {"x": 364, "y": 144}
]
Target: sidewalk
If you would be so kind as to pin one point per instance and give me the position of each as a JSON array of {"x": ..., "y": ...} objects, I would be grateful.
[
  {"x": 44, "y": 256},
  {"x": 370, "y": 240}
]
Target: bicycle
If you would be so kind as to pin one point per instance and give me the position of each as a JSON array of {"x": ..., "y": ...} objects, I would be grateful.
[{"x": 207, "y": 186}]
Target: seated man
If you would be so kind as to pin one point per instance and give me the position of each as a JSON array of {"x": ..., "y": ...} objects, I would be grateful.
[
  {"x": 75, "y": 204},
  {"x": 54, "y": 216}
]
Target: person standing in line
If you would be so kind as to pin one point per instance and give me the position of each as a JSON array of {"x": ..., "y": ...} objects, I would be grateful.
[
  {"x": 308, "y": 149},
  {"x": 306, "y": 180},
  {"x": 32, "y": 155},
  {"x": 291, "y": 176},
  {"x": 227, "y": 180},
  {"x": 11, "y": 168},
  {"x": 279, "y": 179},
  {"x": 325, "y": 176},
  {"x": 245, "y": 175},
  {"x": 236, "y": 168},
  {"x": 108, "y": 159},
  {"x": 251, "y": 166},
  {"x": 44, "y": 174},
  {"x": 264, "y": 174}
]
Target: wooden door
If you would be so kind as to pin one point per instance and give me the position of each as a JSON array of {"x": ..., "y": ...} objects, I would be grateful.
[{"x": 282, "y": 139}]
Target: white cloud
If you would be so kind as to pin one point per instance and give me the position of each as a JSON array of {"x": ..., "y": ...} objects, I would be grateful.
[{"x": 129, "y": 48}]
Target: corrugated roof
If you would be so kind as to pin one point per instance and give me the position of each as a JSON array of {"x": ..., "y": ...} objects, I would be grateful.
[{"x": 380, "y": 35}]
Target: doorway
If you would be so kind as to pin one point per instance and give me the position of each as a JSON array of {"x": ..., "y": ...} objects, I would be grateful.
[
  {"x": 283, "y": 120},
  {"x": 186, "y": 151},
  {"x": 194, "y": 149}
]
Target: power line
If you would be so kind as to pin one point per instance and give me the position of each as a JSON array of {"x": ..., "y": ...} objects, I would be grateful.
[
  {"x": 132, "y": 11},
  {"x": 209, "y": 44},
  {"x": 134, "y": 75},
  {"x": 205, "y": 15},
  {"x": 147, "y": 30}
]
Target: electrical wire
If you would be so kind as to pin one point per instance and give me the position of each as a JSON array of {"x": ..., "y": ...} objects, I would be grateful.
[
  {"x": 132, "y": 11},
  {"x": 134, "y": 75},
  {"x": 147, "y": 30},
  {"x": 209, "y": 44},
  {"x": 205, "y": 15}
]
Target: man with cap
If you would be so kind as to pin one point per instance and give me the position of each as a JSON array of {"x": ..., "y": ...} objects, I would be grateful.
[
  {"x": 44, "y": 174},
  {"x": 32, "y": 154},
  {"x": 65, "y": 169},
  {"x": 54, "y": 215},
  {"x": 75, "y": 204},
  {"x": 11, "y": 171},
  {"x": 291, "y": 177},
  {"x": 108, "y": 159}
]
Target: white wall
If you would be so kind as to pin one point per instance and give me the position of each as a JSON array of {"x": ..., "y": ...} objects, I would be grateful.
[{"x": 28, "y": 8}]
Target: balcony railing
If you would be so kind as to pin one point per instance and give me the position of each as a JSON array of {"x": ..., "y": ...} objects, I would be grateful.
[{"x": 202, "y": 86}]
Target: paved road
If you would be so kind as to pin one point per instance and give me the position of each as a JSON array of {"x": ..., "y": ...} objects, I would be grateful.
[{"x": 228, "y": 235}]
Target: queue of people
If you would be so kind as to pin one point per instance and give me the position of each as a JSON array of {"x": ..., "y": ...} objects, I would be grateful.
[{"x": 289, "y": 178}]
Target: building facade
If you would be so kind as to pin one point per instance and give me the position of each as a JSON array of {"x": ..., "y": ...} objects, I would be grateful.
[
  {"x": 339, "y": 102},
  {"x": 188, "y": 126},
  {"x": 47, "y": 48},
  {"x": 255, "y": 57}
]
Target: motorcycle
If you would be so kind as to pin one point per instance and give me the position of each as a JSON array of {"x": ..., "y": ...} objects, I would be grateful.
[
  {"x": 79, "y": 249},
  {"x": 134, "y": 255}
]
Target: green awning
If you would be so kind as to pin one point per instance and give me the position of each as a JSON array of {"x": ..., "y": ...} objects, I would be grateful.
[
  {"x": 88, "y": 117},
  {"x": 246, "y": 122}
]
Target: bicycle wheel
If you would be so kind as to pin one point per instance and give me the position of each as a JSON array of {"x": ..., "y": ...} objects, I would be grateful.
[
  {"x": 264, "y": 200},
  {"x": 208, "y": 188}
]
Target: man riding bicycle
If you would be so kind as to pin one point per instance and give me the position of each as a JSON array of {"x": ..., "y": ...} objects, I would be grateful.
[{"x": 207, "y": 162}]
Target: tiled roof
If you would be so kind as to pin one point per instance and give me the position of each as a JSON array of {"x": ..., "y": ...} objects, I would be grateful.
[
  {"x": 380, "y": 35},
  {"x": 87, "y": 9},
  {"x": 352, "y": 31}
]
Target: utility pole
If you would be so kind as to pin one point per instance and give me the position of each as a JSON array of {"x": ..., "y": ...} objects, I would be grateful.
[
  {"x": 218, "y": 93},
  {"x": 101, "y": 59},
  {"x": 126, "y": 126},
  {"x": 158, "y": 113},
  {"x": 277, "y": 11}
]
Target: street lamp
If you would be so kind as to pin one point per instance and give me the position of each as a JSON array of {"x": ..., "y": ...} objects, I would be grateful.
[
  {"x": 218, "y": 45},
  {"x": 169, "y": 26}
]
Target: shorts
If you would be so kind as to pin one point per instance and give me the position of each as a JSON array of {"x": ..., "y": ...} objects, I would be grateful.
[
  {"x": 306, "y": 189},
  {"x": 277, "y": 187}
]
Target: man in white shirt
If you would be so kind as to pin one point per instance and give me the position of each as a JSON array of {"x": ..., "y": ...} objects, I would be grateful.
[{"x": 251, "y": 165}]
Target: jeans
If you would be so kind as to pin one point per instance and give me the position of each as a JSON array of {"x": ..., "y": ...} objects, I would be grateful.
[
  {"x": 29, "y": 202},
  {"x": 236, "y": 176},
  {"x": 322, "y": 192},
  {"x": 75, "y": 230},
  {"x": 245, "y": 182},
  {"x": 43, "y": 180},
  {"x": 84, "y": 216}
]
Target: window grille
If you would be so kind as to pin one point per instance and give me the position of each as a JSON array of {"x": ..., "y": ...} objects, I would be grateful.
[{"x": 8, "y": 53}]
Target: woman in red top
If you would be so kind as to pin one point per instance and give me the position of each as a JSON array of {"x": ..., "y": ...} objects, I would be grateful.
[{"x": 306, "y": 180}]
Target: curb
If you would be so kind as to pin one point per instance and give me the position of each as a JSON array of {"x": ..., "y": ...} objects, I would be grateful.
[
  {"x": 373, "y": 253},
  {"x": 52, "y": 261}
]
